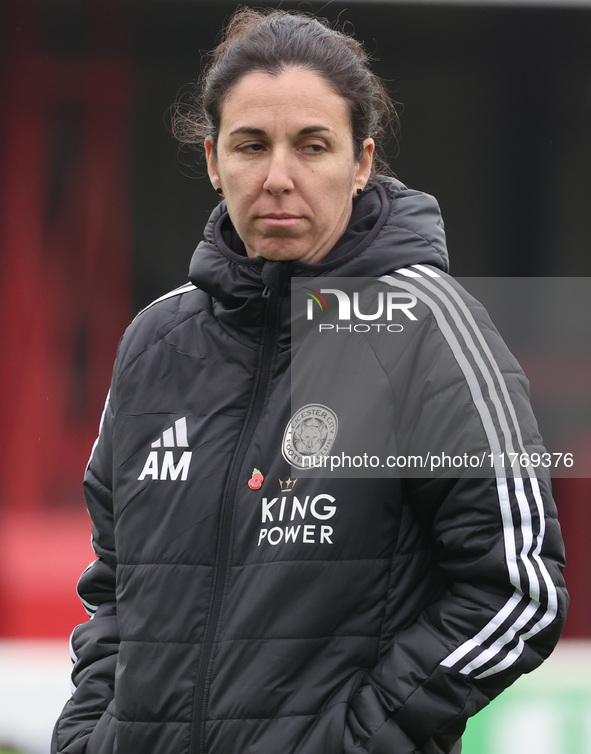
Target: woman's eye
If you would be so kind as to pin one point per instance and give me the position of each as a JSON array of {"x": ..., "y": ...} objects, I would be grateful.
[
  {"x": 314, "y": 148},
  {"x": 250, "y": 148}
]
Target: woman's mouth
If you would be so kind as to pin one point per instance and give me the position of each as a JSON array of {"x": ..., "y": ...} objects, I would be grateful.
[{"x": 282, "y": 220}]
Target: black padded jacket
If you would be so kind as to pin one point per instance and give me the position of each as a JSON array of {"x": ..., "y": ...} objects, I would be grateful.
[{"x": 242, "y": 606}]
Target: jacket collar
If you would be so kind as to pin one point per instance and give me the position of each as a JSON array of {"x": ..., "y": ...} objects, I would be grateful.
[{"x": 406, "y": 229}]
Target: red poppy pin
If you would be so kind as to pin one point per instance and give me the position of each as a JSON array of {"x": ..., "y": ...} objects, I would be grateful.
[{"x": 255, "y": 480}]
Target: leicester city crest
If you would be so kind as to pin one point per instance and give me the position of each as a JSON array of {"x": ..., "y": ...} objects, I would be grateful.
[{"x": 309, "y": 435}]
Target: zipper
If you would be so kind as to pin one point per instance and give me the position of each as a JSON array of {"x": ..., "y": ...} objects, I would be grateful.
[{"x": 201, "y": 697}]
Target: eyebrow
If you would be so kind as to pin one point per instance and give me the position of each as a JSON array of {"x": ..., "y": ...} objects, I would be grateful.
[{"x": 261, "y": 132}]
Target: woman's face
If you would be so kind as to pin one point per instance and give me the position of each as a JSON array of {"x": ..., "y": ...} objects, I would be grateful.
[{"x": 286, "y": 165}]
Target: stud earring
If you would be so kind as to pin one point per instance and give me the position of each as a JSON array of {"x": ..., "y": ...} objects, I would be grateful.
[
  {"x": 219, "y": 191},
  {"x": 359, "y": 191}
]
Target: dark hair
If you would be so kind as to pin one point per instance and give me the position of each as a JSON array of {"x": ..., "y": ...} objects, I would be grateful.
[{"x": 273, "y": 42}]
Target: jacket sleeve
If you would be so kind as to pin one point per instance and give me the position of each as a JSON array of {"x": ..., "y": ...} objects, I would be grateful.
[
  {"x": 497, "y": 540},
  {"x": 94, "y": 644}
]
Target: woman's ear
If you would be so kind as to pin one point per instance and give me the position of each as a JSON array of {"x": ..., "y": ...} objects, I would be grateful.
[
  {"x": 212, "y": 165},
  {"x": 365, "y": 164}
]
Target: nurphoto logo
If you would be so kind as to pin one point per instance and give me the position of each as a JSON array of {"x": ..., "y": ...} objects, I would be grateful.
[{"x": 386, "y": 306}]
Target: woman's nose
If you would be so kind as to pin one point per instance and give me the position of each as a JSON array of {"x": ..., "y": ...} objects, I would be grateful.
[{"x": 279, "y": 178}]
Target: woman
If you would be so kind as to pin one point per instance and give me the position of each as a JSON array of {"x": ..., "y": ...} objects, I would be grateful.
[{"x": 239, "y": 603}]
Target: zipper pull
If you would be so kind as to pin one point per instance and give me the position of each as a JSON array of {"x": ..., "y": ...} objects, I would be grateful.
[{"x": 266, "y": 292}]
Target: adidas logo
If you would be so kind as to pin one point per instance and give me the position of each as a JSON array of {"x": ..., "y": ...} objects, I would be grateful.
[{"x": 162, "y": 466}]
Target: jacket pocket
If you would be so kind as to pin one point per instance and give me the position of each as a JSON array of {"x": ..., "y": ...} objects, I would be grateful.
[
  {"x": 102, "y": 740},
  {"x": 365, "y": 716},
  {"x": 325, "y": 736}
]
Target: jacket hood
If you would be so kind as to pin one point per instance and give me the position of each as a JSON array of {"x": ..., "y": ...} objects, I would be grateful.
[{"x": 408, "y": 230}]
